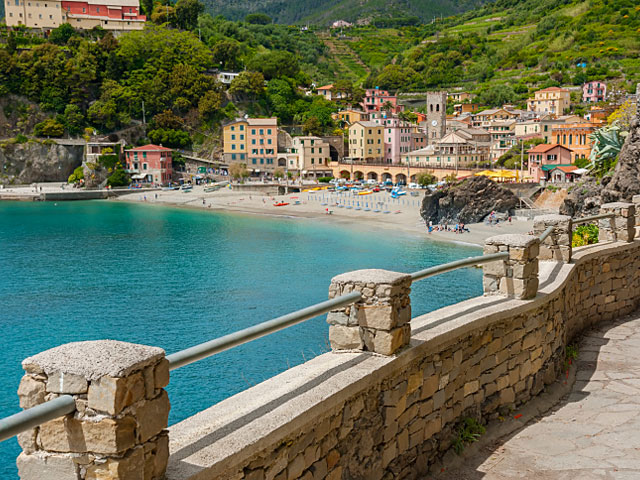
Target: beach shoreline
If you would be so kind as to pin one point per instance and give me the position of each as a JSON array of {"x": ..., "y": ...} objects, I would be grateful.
[{"x": 403, "y": 213}]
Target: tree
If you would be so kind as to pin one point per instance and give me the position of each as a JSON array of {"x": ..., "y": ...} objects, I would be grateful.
[
  {"x": 12, "y": 44},
  {"x": 247, "y": 83},
  {"x": 278, "y": 173},
  {"x": 275, "y": 64},
  {"x": 167, "y": 120},
  {"x": 62, "y": 34},
  {"x": 169, "y": 137},
  {"x": 73, "y": 119},
  {"x": 49, "y": 128},
  {"x": 187, "y": 12},
  {"x": 426, "y": 178},
  {"x": 226, "y": 53},
  {"x": 312, "y": 126},
  {"x": 258, "y": 19},
  {"x": 209, "y": 104},
  {"x": 238, "y": 171},
  {"x": 497, "y": 95},
  {"x": 147, "y": 7}
]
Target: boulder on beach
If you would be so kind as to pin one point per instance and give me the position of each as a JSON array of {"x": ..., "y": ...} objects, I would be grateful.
[{"x": 468, "y": 201}]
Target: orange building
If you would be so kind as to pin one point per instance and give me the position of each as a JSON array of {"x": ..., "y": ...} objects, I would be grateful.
[{"x": 574, "y": 136}]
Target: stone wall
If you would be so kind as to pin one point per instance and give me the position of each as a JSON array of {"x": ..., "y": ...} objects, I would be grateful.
[{"x": 362, "y": 415}]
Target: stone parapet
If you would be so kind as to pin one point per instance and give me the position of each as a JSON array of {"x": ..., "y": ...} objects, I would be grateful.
[
  {"x": 118, "y": 431},
  {"x": 379, "y": 321},
  {"x": 517, "y": 276},
  {"x": 622, "y": 227},
  {"x": 556, "y": 246}
]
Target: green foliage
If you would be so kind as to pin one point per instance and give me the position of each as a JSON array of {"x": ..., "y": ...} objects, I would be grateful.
[
  {"x": 586, "y": 234},
  {"x": 21, "y": 138},
  {"x": 61, "y": 34},
  {"x": 248, "y": 83},
  {"x": 187, "y": 12},
  {"x": 169, "y": 138},
  {"x": 325, "y": 179},
  {"x": 73, "y": 119},
  {"x": 77, "y": 175},
  {"x": 468, "y": 431},
  {"x": 109, "y": 161},
  {"x": 258, "y": 19},
  {"x": 426, "y": 178},
  {"x": 511, "y": 159},
  {"x": 119, "y": 178},
  {"x": 49, "y": 128},
  {"x": 275, "y": 64}
]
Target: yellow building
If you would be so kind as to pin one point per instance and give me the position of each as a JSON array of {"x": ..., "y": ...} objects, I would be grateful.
[
  {"x": 252, "y": 141},
  {"x": 552, "y": 100},
  {"x": 313, "y": 157},
  {"x": 349, "y": 116},
  {"x": 366, "y": 141}
]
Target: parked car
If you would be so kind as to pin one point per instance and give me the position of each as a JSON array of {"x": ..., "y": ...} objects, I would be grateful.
[{"x": 413, "y": 186}]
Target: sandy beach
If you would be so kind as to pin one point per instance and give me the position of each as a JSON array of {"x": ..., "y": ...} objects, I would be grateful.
[{"x": 372, "y": 212}]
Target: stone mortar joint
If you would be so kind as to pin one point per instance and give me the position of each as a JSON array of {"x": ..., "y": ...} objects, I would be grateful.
[
  {"x": 556, "y": 246},
  {"x": 118, "y": 431},
  {"x": 379, "y": 321},
  {"x": 516, "y": 277}
]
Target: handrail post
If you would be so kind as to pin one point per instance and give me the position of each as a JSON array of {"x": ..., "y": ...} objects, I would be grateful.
[
  {"x": 556, "y": 246},
  {"x": 118, "y": 429},
  {"x": 379, "y": 321},
  {"x": 621, "y": 227},
  {"x": 517, "y": 276},
  {"x": 636, "y": 203}
]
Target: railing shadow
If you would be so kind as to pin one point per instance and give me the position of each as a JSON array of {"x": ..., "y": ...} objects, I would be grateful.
[{"x": 482, "y": 459}]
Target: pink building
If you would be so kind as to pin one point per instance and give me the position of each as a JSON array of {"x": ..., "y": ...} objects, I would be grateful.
[
  {"x": 594, "y": 92},
  {"x": 150, "y": 164},
  {"x": 396, "y": 136},
  {"x": 544, "y": 155},
  {"x": 109, "y": 14},
  {"x": 375, "y": 99}
]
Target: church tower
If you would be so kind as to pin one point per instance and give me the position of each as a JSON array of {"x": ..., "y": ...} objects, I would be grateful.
[{"x": 436, "y": 116}]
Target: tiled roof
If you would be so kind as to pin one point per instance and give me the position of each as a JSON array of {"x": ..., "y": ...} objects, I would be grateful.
[
  {"x": 545, "y": 147},
  {"x": 150, "y": 148}
]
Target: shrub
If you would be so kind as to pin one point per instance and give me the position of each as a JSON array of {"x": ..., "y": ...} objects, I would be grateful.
[
  {"x": 21, "y": 138},
  {"x": 585, "y": 235},
  {"x": 425, "y": 179},
  {"x": 118, "y": 178},
  {"x": 77, "y": 175},
  {"x": 325, "y": 179}
]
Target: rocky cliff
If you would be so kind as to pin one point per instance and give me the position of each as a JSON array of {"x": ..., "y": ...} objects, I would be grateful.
[
  {"x": 33, "y": 161},
  {"x": 468, "y": 201},
  {"x": 586, "y": 197}
]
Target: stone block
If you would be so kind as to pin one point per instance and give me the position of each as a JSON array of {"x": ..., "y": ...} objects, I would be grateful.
[
  {"x": 496, "y": 269},
  {"x": 41, "y": 467},
  {"x": 345, "y": 338},
  {"x": 152, "y": 416},
  {"x": 162, "y": 373},
  {"x": 31, "y": 392},
  {"x": 380, "y": 317},
  {"x": 106, "y": 436},
  {"x": 27, "y": 440},
  {"x": 59, "y": 382},
  {"x": 387, "y": 342},
  {"x": 338, "y": 318},
  {"x": 129, "y": 467},
  {"x": 112, "y": 395}
]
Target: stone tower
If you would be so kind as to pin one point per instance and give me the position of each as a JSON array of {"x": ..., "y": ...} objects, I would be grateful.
[{"x": 436, "y": 115}]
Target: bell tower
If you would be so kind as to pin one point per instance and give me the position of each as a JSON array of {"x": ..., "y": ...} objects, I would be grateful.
[{"x": 436, "y": 116}]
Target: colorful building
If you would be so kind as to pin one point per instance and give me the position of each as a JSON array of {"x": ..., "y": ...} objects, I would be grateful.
[
  {"x": 150, "y": 164},
  {"x": 314, "y": 155},
  {"x": 594, "y": 92},
  {"x": 117, "y": 15},
  {"x": 366, "y": 141},
  {"x": 253, "y": 142},
  {"x": 396, "y": 136},
  {"x": 459, "y": 149},
  {"x": 349, "y": 116},
  {"x": 546, "y": 154},
  {"x": 375, "y": 99},
  {"x": 554, "y": 100},
  {"x": 574, "y": 136}
]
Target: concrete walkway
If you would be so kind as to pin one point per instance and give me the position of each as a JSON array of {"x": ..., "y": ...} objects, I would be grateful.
[{"x": 593, "y": 433}]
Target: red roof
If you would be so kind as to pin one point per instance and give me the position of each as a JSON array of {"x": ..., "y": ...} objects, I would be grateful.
[
  {"x": 150, "y": 148},
  {"x": 545, "y": 147},
  {"x": 567, "y": 169},
  {"x": 326, "y": 87},
  {"x": 553, "y": 89}
]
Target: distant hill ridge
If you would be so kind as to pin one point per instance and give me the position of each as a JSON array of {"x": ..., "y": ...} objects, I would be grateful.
[{"x": 324, "y": 12}]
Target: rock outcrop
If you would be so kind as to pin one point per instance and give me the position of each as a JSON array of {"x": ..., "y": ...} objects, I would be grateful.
[
  {"x": 468, "y": 201},
  {"x": 585, "y": 198},
  {"x": 34, "y": 161}
]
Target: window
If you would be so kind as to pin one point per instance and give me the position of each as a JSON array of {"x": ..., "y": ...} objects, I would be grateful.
[
  {"x": 97, "y": 9},
  {"x": 242, "y": 156},
  {"x": 253, "y": 161},
  {"x": 269, "y": 141},
  {"x": 242, "y": 137},
  {"x": 84, "y": 10},
  {"x": 262, "y": 161},
  {"x": 253, "y": 141},
  {"x": 233, "y": 137},
  {"x": 233, "y": 146},
  {"x": 233, "y": 156},
  {"x": 261, "y": 131},
  {"x": 253, "y": 131},
  {"x": 144, "y": 166},
  {"x": 268, "y": 131},
  {"x": 241, "y": 128}
]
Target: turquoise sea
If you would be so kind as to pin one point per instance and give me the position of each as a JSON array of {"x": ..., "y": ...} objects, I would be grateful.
[{"x": 173, "y": 278}]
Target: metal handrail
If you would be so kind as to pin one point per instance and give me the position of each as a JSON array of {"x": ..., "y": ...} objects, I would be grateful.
[
  {"x": 207, "y": 349},
  {"x": 35, "y": 416},
  {"x": 601, "y": 216},
  {"x": 466, "y": 262},
  {"x": 548, "y": 231}
]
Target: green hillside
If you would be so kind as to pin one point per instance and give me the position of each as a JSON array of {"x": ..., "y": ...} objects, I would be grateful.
[
  {"x": 323, "y": 12},
  {"x": 508, "y": 48}
]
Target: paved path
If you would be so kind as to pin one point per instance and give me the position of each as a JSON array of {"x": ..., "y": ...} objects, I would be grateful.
[{"x": 593, "y": 433}]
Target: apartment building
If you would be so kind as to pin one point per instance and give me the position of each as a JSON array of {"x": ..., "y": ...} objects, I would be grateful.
[
  {"x": 575, "y": 136},
  {"x": 313, "y": 157},
  {"x": 594, "y": 92},
  {"x": 252, "y": 141},
  {"x": 553, "y": 100},
  {"x": 116, "y": 15},
  {"x": 545, "y": 155},
  {"x": 150, "y": 164},
  {"x": 376, "y": 98},
  {"x": 458, "y": 149},
  {"x": 366, "y": 141},
  {"x": 349, "y": 116},
  {"x": 396, "y": 136}
]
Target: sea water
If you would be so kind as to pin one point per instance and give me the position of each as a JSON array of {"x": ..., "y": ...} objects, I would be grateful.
[{"x": 173, "y": 278}]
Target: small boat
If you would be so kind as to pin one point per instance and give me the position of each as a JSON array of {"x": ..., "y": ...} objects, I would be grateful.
[
  {"x": 365, "y": 192},
  {"x": 280, "y": 204},
  {"x": 186, "y": 188}
]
